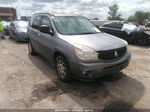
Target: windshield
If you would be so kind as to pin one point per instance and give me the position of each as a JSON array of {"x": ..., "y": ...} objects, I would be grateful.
[
  {"x": 74, "y": 26},
  {"x": 21, "y": 24}
]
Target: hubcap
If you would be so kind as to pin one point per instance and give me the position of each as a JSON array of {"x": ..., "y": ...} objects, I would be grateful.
[{"x": 61, "y": 68}]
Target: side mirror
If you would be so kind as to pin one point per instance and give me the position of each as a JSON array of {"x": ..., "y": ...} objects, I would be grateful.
[{"x": 46, "y": 29}]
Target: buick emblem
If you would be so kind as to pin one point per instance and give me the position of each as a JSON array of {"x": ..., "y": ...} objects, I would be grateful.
[{"x": 116, "y": 54}]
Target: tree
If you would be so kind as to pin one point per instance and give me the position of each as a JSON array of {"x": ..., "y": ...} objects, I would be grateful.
[
  {"x": 113, "y": 13},
  {"x": 139, "y": 17},
  {"x": 131, "y": 18}
]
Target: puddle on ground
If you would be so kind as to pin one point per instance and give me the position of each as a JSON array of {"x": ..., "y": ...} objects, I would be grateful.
[{"x": 41, "y": 91}]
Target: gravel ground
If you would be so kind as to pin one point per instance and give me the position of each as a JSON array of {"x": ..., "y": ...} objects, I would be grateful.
[{"x": 29, "y": 82}]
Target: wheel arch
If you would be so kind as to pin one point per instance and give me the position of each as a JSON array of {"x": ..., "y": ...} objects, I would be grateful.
[{"x": 57, "y": 53}]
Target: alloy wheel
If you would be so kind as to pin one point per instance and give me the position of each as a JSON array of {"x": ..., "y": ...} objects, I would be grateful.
[{"x": 61, "y": 68}]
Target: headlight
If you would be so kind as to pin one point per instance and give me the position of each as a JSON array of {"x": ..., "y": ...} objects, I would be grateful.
[
  {"x": 126, "y": 44},
  {"x": 85, "y": 53}
]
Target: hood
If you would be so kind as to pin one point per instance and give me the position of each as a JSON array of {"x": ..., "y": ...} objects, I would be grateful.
[
  {"x": 98, "y": 42},
  {"x": 129, "y": 28},
  {"x": 24, "y": 30}
]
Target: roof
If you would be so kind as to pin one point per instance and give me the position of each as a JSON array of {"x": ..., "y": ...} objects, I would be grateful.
[
  {"x": 58, "y": 14},
  {"x": 44, "y": 13},
  {"x": 67, "y": 15}
]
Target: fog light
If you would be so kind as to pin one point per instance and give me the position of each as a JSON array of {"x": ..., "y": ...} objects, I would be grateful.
[{"x": 87, "y": 74}]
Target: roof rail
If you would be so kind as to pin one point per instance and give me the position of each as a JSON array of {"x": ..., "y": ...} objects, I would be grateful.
[{"x": 44, "y": 13}]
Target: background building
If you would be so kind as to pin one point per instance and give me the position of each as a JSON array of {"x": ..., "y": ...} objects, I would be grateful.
[{"x": 8, "y": 14}]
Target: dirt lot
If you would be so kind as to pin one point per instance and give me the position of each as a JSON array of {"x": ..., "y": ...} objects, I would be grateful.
[{"x": 29, "y": 82}]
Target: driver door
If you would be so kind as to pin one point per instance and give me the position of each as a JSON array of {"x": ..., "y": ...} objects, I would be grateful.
[{"x": 46, "y": 41}]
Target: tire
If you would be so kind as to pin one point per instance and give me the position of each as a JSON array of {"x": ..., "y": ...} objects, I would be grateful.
[
  {"x": 30, "y": 48},
  {"x": 130, "y": 39},
  {"x": 17, "y": 40},
  {"x": 3, "y": 37},
  {"x": 10, "y": 37},
  {"x": 141, "y": 41},
  {"x": 63, "y": 69}
]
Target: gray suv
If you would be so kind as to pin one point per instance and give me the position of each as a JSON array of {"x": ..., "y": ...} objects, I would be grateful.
[{"x": 76, "y": 47}]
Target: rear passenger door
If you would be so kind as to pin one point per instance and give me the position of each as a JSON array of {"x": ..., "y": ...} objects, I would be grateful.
[{"x": 46, "y": 40}]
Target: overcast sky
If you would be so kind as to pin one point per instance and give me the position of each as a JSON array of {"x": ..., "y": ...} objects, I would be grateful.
[{"x": 88, "y": 8}]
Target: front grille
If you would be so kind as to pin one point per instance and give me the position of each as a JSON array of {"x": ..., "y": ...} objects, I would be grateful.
[
  {"x": 23, "y": 35},
  {"x": 112, "y": 54}
]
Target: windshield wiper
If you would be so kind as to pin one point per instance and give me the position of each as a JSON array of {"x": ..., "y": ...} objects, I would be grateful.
[{"x": 89, "y": 33}]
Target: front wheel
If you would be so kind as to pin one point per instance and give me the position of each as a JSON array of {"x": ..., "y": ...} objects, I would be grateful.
[
  {"x": 63, "y": 69},
  {"x": 30, "y": 48}
]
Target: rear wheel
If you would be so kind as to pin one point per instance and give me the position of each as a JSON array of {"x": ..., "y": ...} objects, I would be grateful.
[
  {"x": 63, "y": 69},
  {"x": 10, "y": 37},
  {"x": 17, "y": 40},
  {"x": 30, "y": 48}
]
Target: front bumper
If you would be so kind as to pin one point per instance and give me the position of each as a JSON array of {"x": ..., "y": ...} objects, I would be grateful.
[
  {"x": 21, "y": 36},
  {"x": 98, "y": 69}
]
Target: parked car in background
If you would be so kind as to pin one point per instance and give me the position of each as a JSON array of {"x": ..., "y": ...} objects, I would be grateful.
[
  {"x": 25, "y": 18},
  {"x": 6, "y": 25},
  {"x": 76, "y": 47},
  {"x": 18, "y": 30},
  {"x": 136, "y": 24},
  {"x": 148, "y": 24},
  {"x": 126, "y": 31},
  {"x": 98, "y": 23}
]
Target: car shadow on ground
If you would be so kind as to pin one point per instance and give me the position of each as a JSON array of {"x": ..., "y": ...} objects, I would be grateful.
[
  {"x": 144, "y": 46},
  {"x": 117, "y": 91},
  {"x": 14, "y": 41}
]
